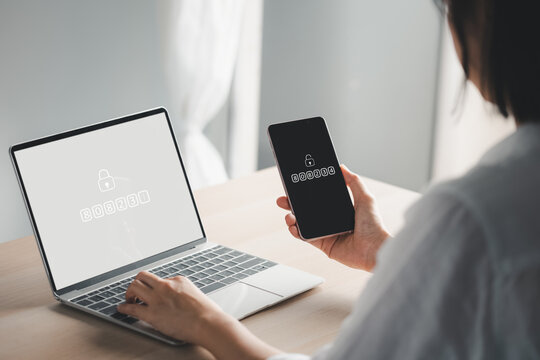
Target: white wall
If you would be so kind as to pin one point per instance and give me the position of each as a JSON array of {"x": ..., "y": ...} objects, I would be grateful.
[
  {"x": 368, "y": 67},
  {"x": 465, "y": 130},
  {"x": 69, "y": 63}
]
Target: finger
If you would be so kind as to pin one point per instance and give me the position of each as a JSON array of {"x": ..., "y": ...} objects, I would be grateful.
[
  {"x": 283, "y": 202},
  {"x": 356, "y": 185},
  {"x": 148, "y": 278},
  {"x": 294, "y": 231},
  {"x": 139, "y": 311},
  {"x": 290, "y": 219},
  {"x": 138, "y": 290}
]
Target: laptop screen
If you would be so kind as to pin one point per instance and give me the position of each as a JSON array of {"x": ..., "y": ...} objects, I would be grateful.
[{"x": 107, "y": 198}]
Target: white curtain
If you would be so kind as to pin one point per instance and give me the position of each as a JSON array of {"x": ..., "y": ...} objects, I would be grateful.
[{"x": 201, "y": 40}]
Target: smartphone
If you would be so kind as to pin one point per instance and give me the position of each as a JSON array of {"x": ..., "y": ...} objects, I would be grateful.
[{"x": 312, "y": 178}]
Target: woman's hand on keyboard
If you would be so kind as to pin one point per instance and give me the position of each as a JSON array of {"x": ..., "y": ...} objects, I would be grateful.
[
  {"x": 359, "y": 248},
  {"x": 177, "y": 308},
  {"x": 169, "y": 304}
]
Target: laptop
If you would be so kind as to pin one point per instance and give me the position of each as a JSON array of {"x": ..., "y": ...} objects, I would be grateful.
[{"x": 109, "y": 200}]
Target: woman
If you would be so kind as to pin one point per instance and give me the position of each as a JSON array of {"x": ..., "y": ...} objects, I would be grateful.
[{"x": 462, "y": 279}]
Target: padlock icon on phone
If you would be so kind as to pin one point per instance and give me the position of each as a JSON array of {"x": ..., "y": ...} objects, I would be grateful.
[
  {"x": 309, "y": 161},
  {"x": 105, "y": 181}
]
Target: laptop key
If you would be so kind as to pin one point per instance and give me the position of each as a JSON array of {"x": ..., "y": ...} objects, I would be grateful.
[
  {"x": 216, "y": 277},
  {"x": 96, "y": 298},
  {"x": 207, "y": 281},
  {"x": 113, "y": 300},
  {"x": 99, "y": 305},
  {"x": 198, "y": 284},
  {"x": 212, "y": 287},
  {"x": 269, "y": 264},
  {"x": 221, "y": 251},
  {"x": 244, "y": 258},
  {"x": 186, "y": 272},
  {"x": 229, "y": 280},
  {"x": 108, "y": 310},
  {"x": 220, "y": 267},
  {"x": 161, "y": 274},
  {"x": 106, "y": 294},
  {"x": 210, "y": 271},
  {"x": 196, "y": 268},
  {"x": 117, "y": 290},
  {"x": 236, "y": 269},
  {"x": 226, "y": 273},
  {"x": 79, "y": 298},
  {"x": 249, "y": 272},
  {"x": 84, "y": 302},
  {"x": 251, "y": 263},
  {"x": 198, "y": 276},
  {"x": 237, "y": 253},
  {"x": 259, "y": 268},
  {"x": 240, "y": 276}
]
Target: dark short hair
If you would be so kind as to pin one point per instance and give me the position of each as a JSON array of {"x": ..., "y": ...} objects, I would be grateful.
[{"x": 509, "y": 34}]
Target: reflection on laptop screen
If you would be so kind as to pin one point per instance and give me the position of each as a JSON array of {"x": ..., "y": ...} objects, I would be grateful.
[{"x": 107, "y": 198}]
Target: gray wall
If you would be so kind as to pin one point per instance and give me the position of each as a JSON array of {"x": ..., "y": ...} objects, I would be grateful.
[
  {"x": 368, "y": 67},
  {"x": 69, "y": 63}
]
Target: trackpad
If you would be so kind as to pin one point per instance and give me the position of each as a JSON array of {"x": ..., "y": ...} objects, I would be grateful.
[{"x": 241, "y": 300}]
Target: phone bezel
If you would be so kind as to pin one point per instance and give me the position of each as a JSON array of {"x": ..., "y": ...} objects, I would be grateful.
[{"x": 283, "y": 183}]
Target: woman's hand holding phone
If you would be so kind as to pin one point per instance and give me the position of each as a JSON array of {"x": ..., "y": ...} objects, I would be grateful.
[{"x": 359, "y": 248}]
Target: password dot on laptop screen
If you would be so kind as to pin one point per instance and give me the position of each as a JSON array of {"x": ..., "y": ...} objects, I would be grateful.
[{"x": 107, "y": 198}]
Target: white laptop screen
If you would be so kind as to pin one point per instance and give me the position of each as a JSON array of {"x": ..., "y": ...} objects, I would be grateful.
[{"x": 107, "y": 198}]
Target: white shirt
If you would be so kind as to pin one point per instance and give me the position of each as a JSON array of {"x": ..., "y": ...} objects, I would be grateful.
[{"x": 462, "y": 279}]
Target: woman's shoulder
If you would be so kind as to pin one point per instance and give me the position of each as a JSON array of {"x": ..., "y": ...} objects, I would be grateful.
[{"x": 501, "y": 194}]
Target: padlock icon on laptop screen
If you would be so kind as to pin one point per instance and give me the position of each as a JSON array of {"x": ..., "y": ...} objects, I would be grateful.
[
  {"x": 105, "y": 181},
  {"x": 309, "y": 161}
]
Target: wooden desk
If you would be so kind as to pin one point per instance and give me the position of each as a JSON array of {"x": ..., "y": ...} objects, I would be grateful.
[{"x": 242, "y": 214}]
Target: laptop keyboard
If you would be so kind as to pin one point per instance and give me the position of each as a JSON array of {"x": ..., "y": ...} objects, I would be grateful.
[{"x": 209, "y": 270}]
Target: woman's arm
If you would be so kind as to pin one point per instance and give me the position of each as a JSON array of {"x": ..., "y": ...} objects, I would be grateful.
[
  {"x": 226, "y": 338},
  {"x": 177, "y": 308}
]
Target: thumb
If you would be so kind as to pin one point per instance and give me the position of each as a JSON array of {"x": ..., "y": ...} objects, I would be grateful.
[{"x": 356, "y": 185}]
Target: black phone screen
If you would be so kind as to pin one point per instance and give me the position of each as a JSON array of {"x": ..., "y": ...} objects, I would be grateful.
[{"x": 312, "y": 177}]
